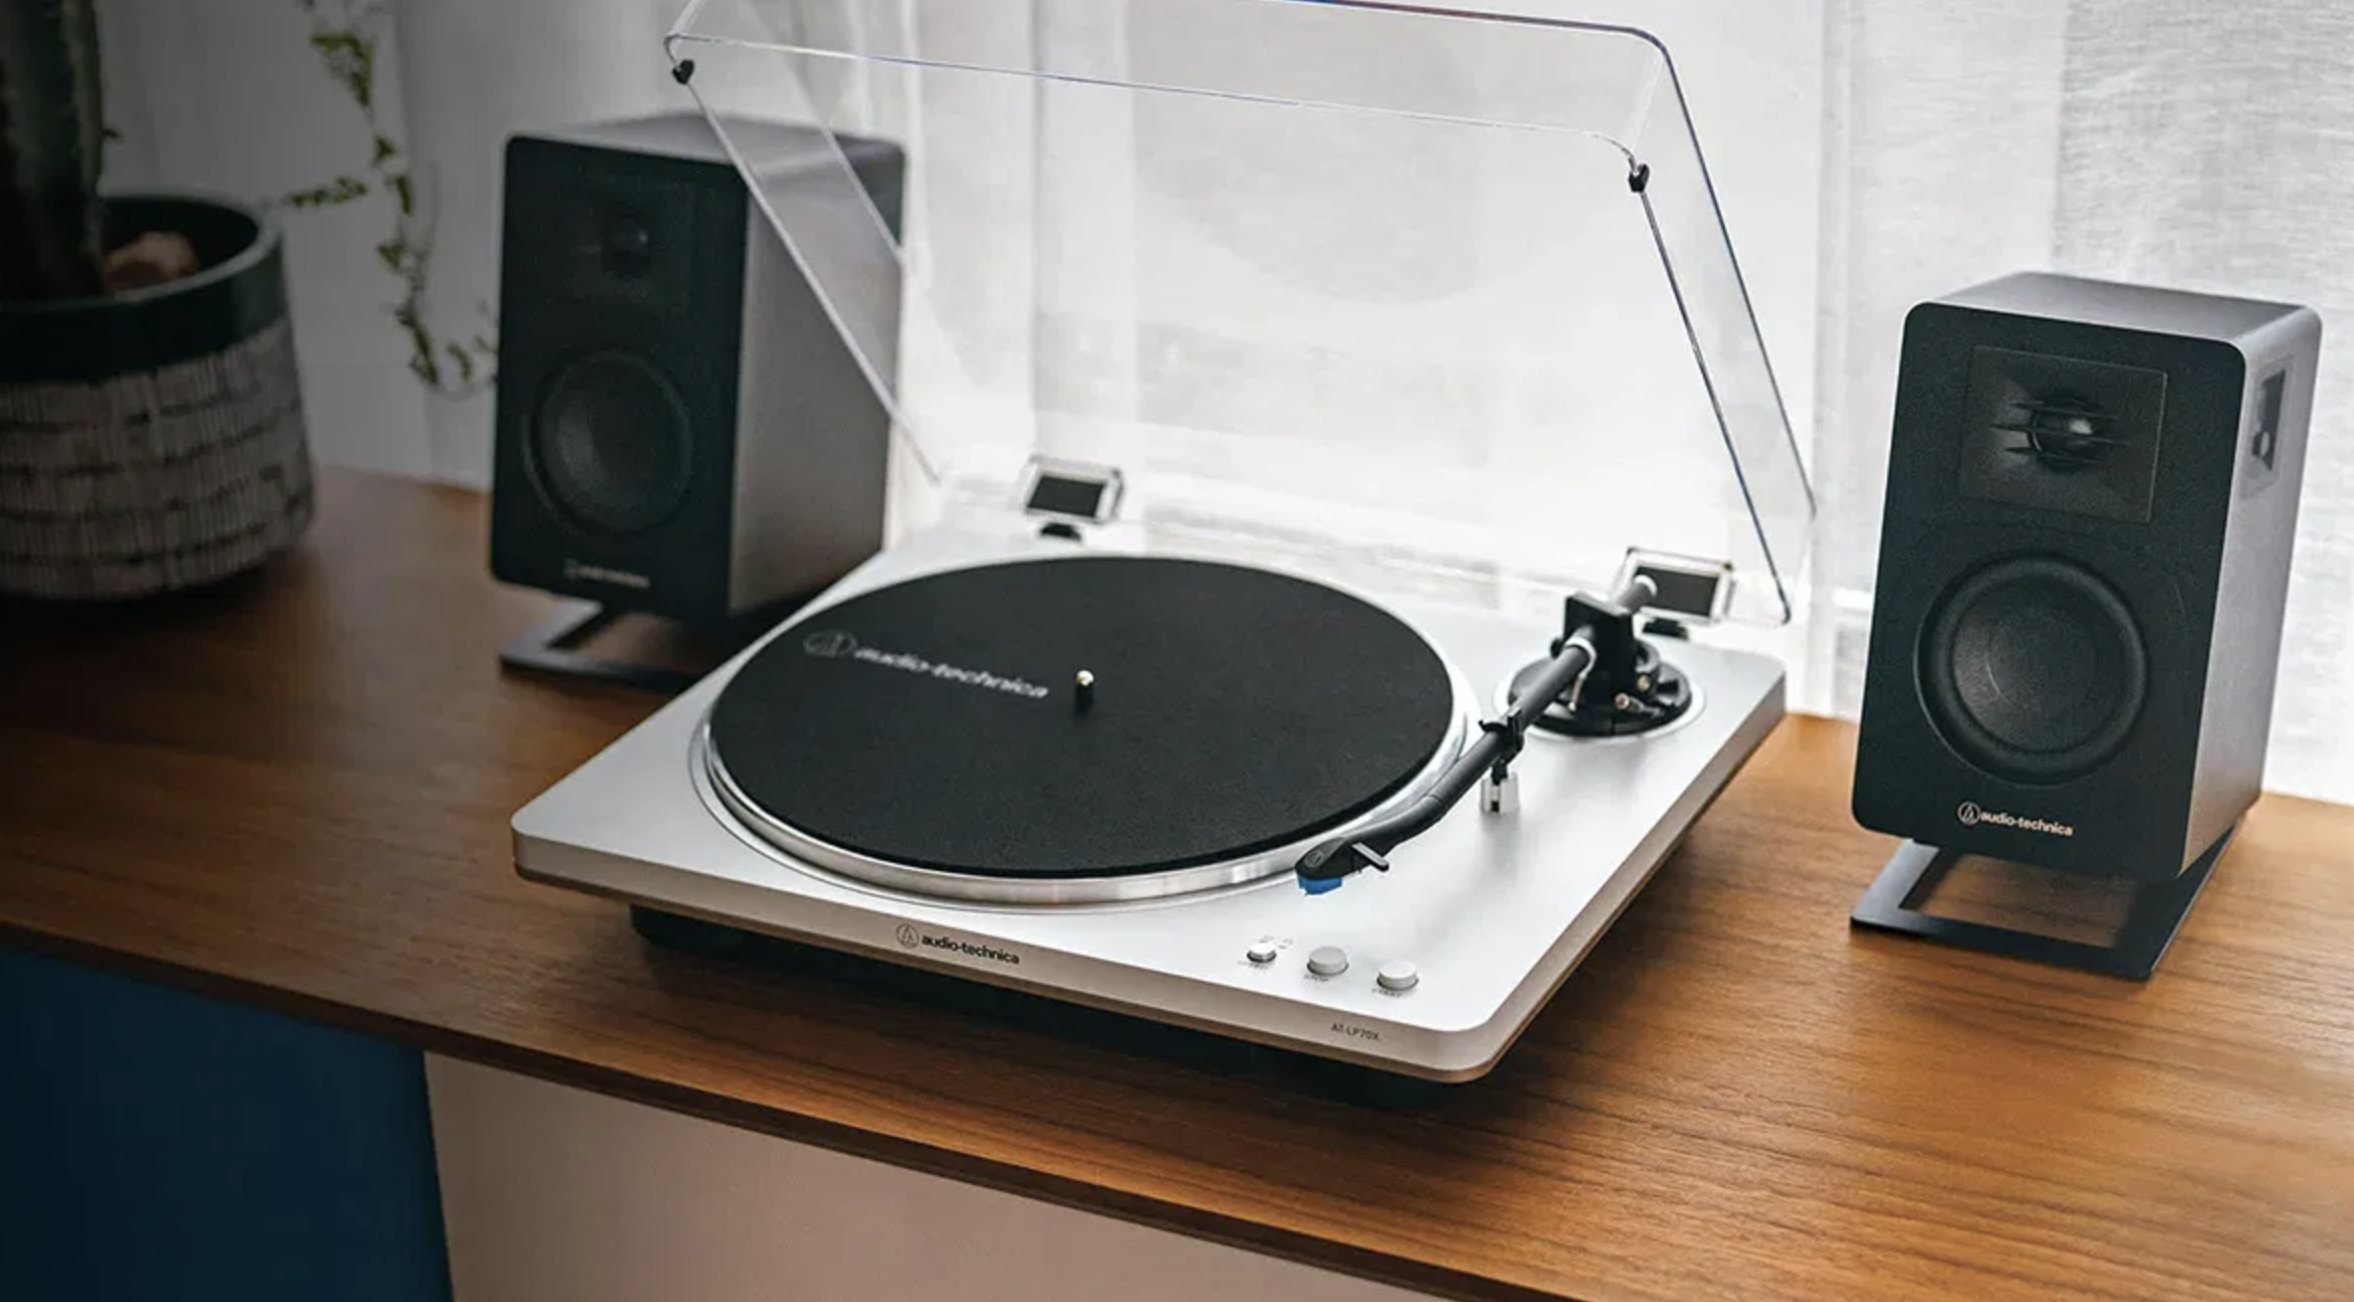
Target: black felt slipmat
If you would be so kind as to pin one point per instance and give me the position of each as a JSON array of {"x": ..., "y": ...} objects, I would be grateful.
[{"x": 933, "y": 723}]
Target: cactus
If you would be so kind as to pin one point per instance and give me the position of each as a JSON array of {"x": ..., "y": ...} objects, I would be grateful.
[{"x": 52, "y": 140}]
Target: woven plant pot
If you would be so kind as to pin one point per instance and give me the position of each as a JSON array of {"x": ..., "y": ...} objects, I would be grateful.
[{"x": 154, "y": 440}]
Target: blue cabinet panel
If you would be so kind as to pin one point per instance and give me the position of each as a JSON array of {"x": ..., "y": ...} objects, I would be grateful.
[{"x": 160, "y": 1146}]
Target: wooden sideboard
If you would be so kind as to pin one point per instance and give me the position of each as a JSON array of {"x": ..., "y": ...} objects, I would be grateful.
[{"x": 294, "y": 791}]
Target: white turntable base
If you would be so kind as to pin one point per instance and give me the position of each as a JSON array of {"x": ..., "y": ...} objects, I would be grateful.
[{"x": 1491, "y": 911}]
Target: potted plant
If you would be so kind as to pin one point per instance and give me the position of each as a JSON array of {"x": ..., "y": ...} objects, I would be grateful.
[{"x": 151, "y": 431}]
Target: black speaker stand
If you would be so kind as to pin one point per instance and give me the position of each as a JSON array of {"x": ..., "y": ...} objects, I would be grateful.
[
  {"x": 683, "y": 653},
  {"x": 554, "y": 648},
  {"x": 2157, "y": 912}
]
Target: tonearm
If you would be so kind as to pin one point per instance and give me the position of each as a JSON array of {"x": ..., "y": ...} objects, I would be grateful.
[{"x": 1598, "y": 664}]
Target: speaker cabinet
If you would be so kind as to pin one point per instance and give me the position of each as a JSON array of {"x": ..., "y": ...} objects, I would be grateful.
[
  {"x": 680, "y": 429},
  {"x": 2092, "y": 494}
]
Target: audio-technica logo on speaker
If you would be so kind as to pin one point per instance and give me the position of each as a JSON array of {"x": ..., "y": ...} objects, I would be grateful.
[
  {"x": 575, "y": 571},
  {"x": 1972, "y": 814}
]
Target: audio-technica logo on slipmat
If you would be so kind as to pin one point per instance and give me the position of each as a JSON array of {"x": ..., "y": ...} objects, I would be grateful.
[
  {"x": 913, "y": 937},
  {"x": 834, "y": 644},
  {"x": 1972, "y": 814}
]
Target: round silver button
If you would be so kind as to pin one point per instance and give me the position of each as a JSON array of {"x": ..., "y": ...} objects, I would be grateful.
[
  {"x": 1398, "y": 974},
  {"x": 1262, "y": 953},
  {"x": 1328, "y": 960}
]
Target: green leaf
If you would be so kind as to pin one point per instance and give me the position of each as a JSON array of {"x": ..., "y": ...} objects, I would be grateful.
[
  {"x": 404, "y": 193},
  {"x": 465, "y": 364},
  {"x": 421, "y": 360},
  {"x": 341, "y": 190},
  {"x": 393, "y": 253},
  {"x": 386, "y": 151},
  {"x": 351, "y": 61},
  {"x": 363, "y": 77}
]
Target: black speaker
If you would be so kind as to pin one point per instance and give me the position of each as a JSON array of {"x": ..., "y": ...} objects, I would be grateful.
[
  {"x": 681, "y": 430},
  {"x": 2092, "y": 496}
]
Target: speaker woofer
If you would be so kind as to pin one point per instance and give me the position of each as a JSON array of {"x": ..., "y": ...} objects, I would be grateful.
[
  {"x": 611, "y": 446},
  {"x": 2033, "y": 669}
]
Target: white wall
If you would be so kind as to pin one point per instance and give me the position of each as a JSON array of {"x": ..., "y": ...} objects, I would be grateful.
[
  {"x": 551, "y": 1194},
  {"x": 227, "y": 96},
  {"x": 474, "y": 72}
]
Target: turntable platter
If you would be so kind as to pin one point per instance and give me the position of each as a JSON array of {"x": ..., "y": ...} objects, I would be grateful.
[{"x": 938, "y": 725}]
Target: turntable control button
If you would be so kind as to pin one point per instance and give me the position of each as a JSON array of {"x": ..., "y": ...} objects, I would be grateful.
[
  {"x": 1328, "y": 960},
  {"x": 1262, "y": 953},
  {"x": 1398, "y": 975}
]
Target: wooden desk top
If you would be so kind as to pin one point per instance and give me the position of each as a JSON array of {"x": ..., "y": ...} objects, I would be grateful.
[{"x": 295, "y": 792}]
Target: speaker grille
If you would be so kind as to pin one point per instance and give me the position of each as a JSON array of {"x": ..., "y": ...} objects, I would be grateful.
[
  {"x": 612, "y": 447},
  {"x": 2033, "y": 669}
]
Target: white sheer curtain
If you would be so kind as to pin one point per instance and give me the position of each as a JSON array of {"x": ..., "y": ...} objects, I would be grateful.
[
  {"x": 1868, "y": 154},
  {"x": 1139, "y": 203},
  {"x": 1871, "y": 155},
  {"x": 2172, "y": 141}
]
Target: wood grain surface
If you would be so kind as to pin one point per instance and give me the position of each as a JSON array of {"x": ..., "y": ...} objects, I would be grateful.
[{"x": 294, "y": 791}]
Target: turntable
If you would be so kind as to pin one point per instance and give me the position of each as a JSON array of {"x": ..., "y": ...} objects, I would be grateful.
[{"x": 1273, "y": 713}]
